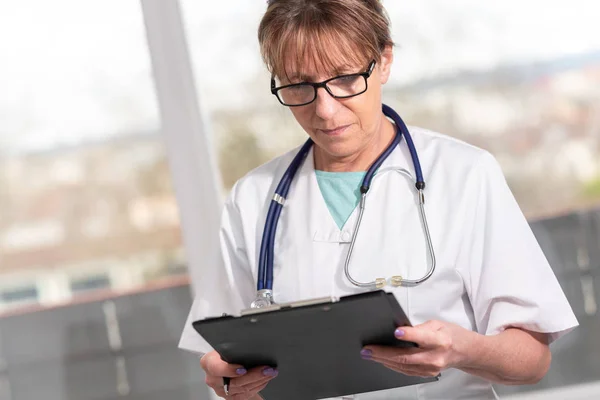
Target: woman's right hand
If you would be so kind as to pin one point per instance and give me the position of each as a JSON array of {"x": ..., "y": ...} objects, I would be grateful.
[{"x": 244, "y": 385}]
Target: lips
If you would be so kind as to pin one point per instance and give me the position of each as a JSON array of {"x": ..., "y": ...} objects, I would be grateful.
[{"x": 335, "y": 131}]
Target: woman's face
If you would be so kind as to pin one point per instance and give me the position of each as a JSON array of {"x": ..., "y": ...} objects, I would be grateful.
[{"x": 342, "y": 128}]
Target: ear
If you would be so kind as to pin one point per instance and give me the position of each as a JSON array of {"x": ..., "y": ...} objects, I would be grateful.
[{"x": 385, "y": 66}]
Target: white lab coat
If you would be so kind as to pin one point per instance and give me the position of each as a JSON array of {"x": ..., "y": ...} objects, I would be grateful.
[{"x": 491, "y": 272}]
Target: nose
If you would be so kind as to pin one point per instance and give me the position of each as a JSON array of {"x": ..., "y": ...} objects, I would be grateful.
[{"x": 325, "y": 105}]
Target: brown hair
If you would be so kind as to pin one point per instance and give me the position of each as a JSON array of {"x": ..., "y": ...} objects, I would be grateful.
[{"x": 358, "y": 30}]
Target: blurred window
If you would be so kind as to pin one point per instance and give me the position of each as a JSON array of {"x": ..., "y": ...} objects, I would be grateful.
[
  {"x": 84, "y": 178},
  {"x": 90, "y": 283},
  {"x": 19, "y": 294}
]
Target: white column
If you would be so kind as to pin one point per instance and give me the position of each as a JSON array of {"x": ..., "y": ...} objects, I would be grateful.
[
  {"x": 195, "y": 175},
  {"x": 193, "y": 168}
]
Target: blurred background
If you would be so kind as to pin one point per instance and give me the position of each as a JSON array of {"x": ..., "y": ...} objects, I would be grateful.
[{"x": 116, "y": 117}]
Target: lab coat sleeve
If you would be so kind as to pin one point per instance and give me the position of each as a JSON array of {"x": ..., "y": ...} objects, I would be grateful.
[
  {"x": 226, "y": 285},
  {"x": 509, "y": 280}
]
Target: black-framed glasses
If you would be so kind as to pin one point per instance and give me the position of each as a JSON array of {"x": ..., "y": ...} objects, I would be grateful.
[{"x": 339, "y": 87}]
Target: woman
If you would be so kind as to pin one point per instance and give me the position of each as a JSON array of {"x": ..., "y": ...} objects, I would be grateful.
[{"x": 491, "y": 308}]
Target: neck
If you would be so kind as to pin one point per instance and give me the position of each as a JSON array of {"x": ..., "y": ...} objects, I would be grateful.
[{"x": 362, "y": 159}]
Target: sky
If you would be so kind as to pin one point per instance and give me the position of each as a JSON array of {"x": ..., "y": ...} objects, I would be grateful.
[{"x": 74, "y": 71}]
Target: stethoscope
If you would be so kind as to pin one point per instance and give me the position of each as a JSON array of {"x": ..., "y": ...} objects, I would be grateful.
[{"x": 264, "y": 295}]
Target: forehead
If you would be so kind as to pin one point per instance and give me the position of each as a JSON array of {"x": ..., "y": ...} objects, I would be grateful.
[
  {"x": 312, "y": 70},
  {"x": 318, "y": 57}
]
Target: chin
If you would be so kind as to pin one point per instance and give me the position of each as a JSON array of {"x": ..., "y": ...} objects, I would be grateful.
[{"x": 338, "y": 150}]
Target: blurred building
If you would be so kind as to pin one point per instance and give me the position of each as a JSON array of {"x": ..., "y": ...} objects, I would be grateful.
[
  {"x": 541, "y": 120},
  {"x": 72, "y": 222}
]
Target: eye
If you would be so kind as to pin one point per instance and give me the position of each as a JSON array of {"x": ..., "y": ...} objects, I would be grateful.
[
  {"x": 299, "y": 89},
  {"x": 346, "y": 80}
]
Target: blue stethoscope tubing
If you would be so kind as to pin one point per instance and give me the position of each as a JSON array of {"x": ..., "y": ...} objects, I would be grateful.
[{"x": 266, "y": 257}]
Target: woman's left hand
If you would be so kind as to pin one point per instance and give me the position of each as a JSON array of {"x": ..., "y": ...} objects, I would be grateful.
[{"x": 442, "y": 345}]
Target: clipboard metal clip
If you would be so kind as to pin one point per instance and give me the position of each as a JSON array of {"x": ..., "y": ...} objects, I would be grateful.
[{"x": 301, "y": 303}]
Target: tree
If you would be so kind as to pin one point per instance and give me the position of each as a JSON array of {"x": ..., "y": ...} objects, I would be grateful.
[{"x": 239, "y": 151}]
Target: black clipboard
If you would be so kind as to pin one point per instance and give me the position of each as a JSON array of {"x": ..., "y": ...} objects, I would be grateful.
[{"x": 315, "y": 345}]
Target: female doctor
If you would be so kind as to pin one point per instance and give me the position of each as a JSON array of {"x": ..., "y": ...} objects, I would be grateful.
[{"x": 463, "y": 264}]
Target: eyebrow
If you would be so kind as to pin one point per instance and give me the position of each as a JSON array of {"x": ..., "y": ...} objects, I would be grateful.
[{"x": 298, "y": 77}]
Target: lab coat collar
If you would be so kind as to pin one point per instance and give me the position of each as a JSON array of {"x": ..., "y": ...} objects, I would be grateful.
[{"x": 322, "y": 224}]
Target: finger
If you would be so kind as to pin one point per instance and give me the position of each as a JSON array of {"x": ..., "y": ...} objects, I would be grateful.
[
  {"x": 214, "y": 382},
  {"x": 400, "y": 360},
  {"x": 409, "y": 360},
  {"x": 250, "y": 394},
  {"x": 404, "y": 370},
  {"x": 408, "y": 356},
  {"x": 411, "y": 370},
  {"x": 387, "y": 352},
  {"x": 420, "y": 364},
  {"x": 255, "y": 375},
  {"x": 258, "y": 388},
  {"x": 214, "y": 365},
  {"x": 220, "y": 392},
  {"x": 426, "y": 335},
  {"x": 404, "y": 357},
  {"x": 236, "y": 388},
  {"x": 244, "y": 396}
]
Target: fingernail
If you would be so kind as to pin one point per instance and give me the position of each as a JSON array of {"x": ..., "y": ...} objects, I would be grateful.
[
  {"x": 399, "y": 332},
  {"x": 366, "y": 353},
  {"x": 270, "y": 372},
  {"x": 240, "y": 371}
]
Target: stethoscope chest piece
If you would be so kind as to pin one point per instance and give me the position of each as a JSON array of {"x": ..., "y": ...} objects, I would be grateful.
[{"x": 264, "y": 298}]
